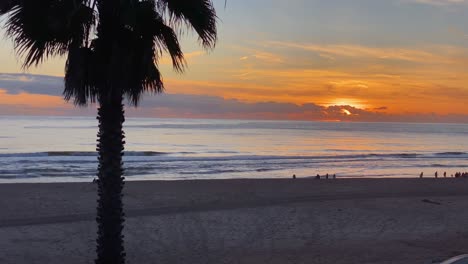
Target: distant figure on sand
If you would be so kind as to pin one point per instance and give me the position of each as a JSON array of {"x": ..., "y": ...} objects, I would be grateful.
[
  {"x": 294, "y": 176},
  {"x": 326, "y": 176},
  {"x": 436, "y": 174},
  {"x": 445, "y": 174},
  {"x": 421, "y": 175},
  {"x": 317, "y": 177},
  {"x": 334, "y": 176}
]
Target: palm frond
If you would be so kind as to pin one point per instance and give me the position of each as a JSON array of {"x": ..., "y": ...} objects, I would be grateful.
[
  {"x": 41, "y": 29},
  {"x": 167, "y": 40},
  {"x": 149, "y": 24},
  {"x": 147, "y": 79},
  {"x": 130, "y": 37},
  {"x": 7, "y": 5},
  {"x": 140, "y": 73},
  {"x": 81, "y": 71},
  {"x": 199, "y": 14}
]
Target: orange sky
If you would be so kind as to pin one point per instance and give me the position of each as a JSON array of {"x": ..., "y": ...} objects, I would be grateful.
[{"x": 400, "y": 57}]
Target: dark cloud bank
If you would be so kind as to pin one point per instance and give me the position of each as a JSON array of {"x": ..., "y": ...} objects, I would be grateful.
[{"x": 201, "y": 106}]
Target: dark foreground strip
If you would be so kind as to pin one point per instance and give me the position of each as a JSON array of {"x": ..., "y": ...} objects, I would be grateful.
[{"x": 208, "y": 207}]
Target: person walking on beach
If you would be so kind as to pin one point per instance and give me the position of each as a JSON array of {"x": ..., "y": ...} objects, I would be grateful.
[
  {"x": 421, "y": 175},
  {"x": 317, "y": 177},
  {"x": 445, "y": 174},
  {"x": 326, "y": 176},
  {"x": 436, "y": 174},
  {"x": 294, "y": 176}
]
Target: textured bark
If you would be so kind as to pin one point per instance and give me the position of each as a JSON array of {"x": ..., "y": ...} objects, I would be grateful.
[{"x": 110, "y": 216}]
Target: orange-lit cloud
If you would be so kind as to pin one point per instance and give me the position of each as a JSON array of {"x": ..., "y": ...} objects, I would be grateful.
[
  {"x": 262, "y": 56},
  {"x": 441, "y": 2},
  {"x": 202, "y": 106},
  {"x": 395, "y": 80},
  {"x": 356, "y": 51},
  {"x": 396, "y": 57},
  {"x": 32, "y": 100},
  {"x": 189, "y": 57}
]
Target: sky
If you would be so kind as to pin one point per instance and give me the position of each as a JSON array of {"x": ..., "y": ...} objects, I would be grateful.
[{"x": 334, "y": 60}]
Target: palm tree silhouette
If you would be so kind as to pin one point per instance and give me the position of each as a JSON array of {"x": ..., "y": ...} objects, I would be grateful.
[{"x": 112, "y": 49}]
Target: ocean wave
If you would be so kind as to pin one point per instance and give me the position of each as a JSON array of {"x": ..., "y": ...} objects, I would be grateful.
[
  {"x": 60, "y": 127},
  {"x": 221, "y": 152},
  {"x": 166, "y": 156},
  {"x": 451, "y": 153},
  {"x": 78, "y": 154},
  {"x": 16, "y": 176},
  {"x": 436, "y": 165},
  {"x": 266, "y": 169}
]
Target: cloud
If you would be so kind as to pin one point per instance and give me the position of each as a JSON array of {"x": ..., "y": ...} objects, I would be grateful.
[
  {"x": 28, "y": 101},
  {"x": 357, "y": 51},
  {"x": 17, "y": 83},
  {"x": 380, "y": 108},
  {"x": 440, "y": 2},
  {"x": 267, "y": 57},
  {"x": 260, "y": 56},
  {"x": 403, "y": 78},
  {"x": 189, "y": 57}
]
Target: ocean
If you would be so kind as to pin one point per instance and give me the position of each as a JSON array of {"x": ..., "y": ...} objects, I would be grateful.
[{"x": 62, "y": 149}]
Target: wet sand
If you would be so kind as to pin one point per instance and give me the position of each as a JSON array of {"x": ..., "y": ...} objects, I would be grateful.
[{"x": 244, "y": 221}]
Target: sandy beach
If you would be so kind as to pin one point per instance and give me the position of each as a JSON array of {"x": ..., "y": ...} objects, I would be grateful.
[{"x": 244, "y": 221}]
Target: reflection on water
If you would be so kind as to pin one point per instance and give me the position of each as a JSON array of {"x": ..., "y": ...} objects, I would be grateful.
[{"x": 41, "y": 148}]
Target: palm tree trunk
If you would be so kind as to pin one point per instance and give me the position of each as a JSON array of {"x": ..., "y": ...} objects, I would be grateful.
[{"x": 110, "y": 216}]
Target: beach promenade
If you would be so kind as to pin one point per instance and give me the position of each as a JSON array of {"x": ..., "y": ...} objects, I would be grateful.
[{"x": 244, "y": 221}]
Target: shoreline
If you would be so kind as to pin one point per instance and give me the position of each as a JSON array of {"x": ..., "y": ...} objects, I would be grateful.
[
  {"x": 289, "y": 179},
  {"x": 73, "y": 180}
]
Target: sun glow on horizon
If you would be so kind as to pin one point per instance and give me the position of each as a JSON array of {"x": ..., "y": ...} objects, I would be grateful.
[
  {"x": 346, "y": 112},
  {"x": 382, "y": 68},
  {"x": 347, "y": 102}
]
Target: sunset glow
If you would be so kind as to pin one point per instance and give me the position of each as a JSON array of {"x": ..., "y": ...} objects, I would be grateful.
[
  {"x": 31, "y": 100},
  {"x": 326, "y": 53},
  {"x": 240, "y": 131},
  {"x": 349, "y": 102},
  {"x": 346, "y": 112}
]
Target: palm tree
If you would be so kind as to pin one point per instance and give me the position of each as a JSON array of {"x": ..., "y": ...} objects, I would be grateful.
[{"x": 112, "y": 49}]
